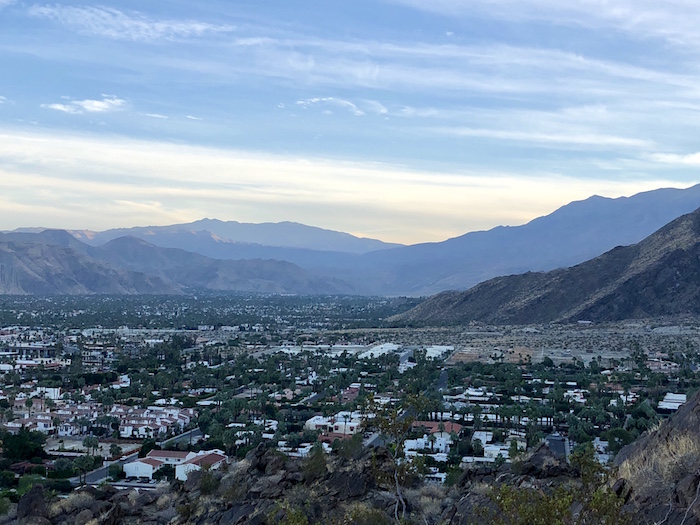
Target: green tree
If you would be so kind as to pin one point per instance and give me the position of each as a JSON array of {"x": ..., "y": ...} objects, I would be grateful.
[
  {"x": 394, "y": 426},
  {"x": 116, "y": 471},
  {"x": 83, "y": 464},
  {"x": 24, "y": 445},
  {"x": 147, "y": 445},
  {"x": 7, "y": 479},
  {"x": 315, "y": 465},
  {"x": 63, "y": 468},
  {"x": 115, "y": 450},
  {"x": 91, "y": 443}
]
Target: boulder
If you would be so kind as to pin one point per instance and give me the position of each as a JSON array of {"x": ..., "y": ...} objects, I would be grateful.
[
  {"x": 237, "y": 514},
  {"x": 33, "y": 504}
]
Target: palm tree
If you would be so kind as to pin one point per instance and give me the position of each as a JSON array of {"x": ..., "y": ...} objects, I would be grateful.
[
  {"x": 115, "y": 450},
  {"x": 83, "y": 464},
  {"x": 91, "y": 443}
]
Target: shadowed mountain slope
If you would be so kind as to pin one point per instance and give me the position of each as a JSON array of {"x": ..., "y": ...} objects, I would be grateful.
[
  {"x": 48, "y": 269},
  {"x": 57, "y": 263},
  {"x": 658, "y": 276},
  {"x": 570, "y": 235},
  {"x": 193, "y": 271}
]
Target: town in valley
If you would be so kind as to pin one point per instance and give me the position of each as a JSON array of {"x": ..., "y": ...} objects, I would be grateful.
[{"x": 137, "y": 391}]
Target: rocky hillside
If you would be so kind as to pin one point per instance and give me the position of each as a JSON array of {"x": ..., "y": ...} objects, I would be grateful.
[
  {"x": 661, "y": 470},
  {"x": 655, "y": 480},
  {"x": 268, "y": 488},
  {"x": 656, "y": 277}
]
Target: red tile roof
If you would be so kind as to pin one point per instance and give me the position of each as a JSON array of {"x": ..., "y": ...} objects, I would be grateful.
[
  {"x": 152, "y": 462},
  {"x": 207, "y": 460}
]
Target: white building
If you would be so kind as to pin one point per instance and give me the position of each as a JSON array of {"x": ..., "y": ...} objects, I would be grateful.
[
  {"x": 142, "y": 468},
  {"x": 207, "y": 459},
  {"x": 344, "y": 422},
  {"x": 672, "y": 402}
]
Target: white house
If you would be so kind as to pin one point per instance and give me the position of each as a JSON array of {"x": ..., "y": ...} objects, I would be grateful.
[
  {"x": 142, "y": 468},
  {"x": 318, "y": 423},
  {"x": 208, "y": 459}
]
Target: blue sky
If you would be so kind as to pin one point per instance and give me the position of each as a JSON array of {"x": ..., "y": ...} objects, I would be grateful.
[{"x": 404, "y": 120}]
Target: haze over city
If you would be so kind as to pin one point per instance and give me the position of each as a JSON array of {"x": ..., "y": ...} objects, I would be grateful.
[{"x": 401, "y": 120}]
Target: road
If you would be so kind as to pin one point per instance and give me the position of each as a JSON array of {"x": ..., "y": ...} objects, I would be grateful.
[{"x": 193, "y": 435}]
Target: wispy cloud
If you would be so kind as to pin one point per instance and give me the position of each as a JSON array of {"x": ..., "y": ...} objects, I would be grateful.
[
  {"x": 690, "y": 159},
  {"x": 5, "y": 3},
  {"x": 674, "y": 21},
  {"x": 155, "y": 115},
  {"x": 113, "y": 23},
  {"x": 192, "y": 117},
  {"x": 331, "y": 101},
  {"x": 2, "y": 99},
  {"x": 559, "y": 139},
  {"x": 376, "y": 107},
  {"x": 107, "y": 104}
]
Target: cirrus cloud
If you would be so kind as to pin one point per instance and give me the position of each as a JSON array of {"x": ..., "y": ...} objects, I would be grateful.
[
  {"x": 112, "y": 23},
  {"x": 331, "y": 101},
  {"x": 76, "y": 107}
]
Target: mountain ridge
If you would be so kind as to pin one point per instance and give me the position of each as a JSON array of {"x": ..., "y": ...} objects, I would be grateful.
[
  {"x": 570, "y": 235},
  {"x": 58, "y": 264},
  {"x": 658, "y": 276},
  {"x": 285, "y": 234}
]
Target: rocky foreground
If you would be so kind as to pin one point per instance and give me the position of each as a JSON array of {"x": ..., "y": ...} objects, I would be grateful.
[{"x": 656, "y": 480}]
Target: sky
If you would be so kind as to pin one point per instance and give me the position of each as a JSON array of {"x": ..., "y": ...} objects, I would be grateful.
[{"x": 403, "y": 120}]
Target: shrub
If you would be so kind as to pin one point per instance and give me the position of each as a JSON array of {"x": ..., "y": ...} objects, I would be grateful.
[
  {"x": 209, "y": 482},
  {"x": 665, "y": 462},
  {"x": 7, "y": 478},
  {"x": 116, "y": 471},
  {"x": 362, "y": 514},
  {"x": 315, "y": 465}
]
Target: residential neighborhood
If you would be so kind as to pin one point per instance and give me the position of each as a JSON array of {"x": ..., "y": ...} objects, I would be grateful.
[{"x": 146, "y": 405}]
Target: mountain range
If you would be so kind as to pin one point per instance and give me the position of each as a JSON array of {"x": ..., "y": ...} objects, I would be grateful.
[
  {"x": 655, "y": 277},
  {"x": 55, "y": 262},
  {"x": 293, "y": 258}
]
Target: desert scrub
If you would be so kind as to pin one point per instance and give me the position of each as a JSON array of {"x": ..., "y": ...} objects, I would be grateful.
[
  {"x": 667, "y": 461},
  {"x": 363, "y": 514},
  {"x": 73, "y": 503},
  {"x": 284, "y": 514},
  {"x": 209, "y": 482},
  {"x": 427, "y": 502},
  {"x": 589, "y": 499}
]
